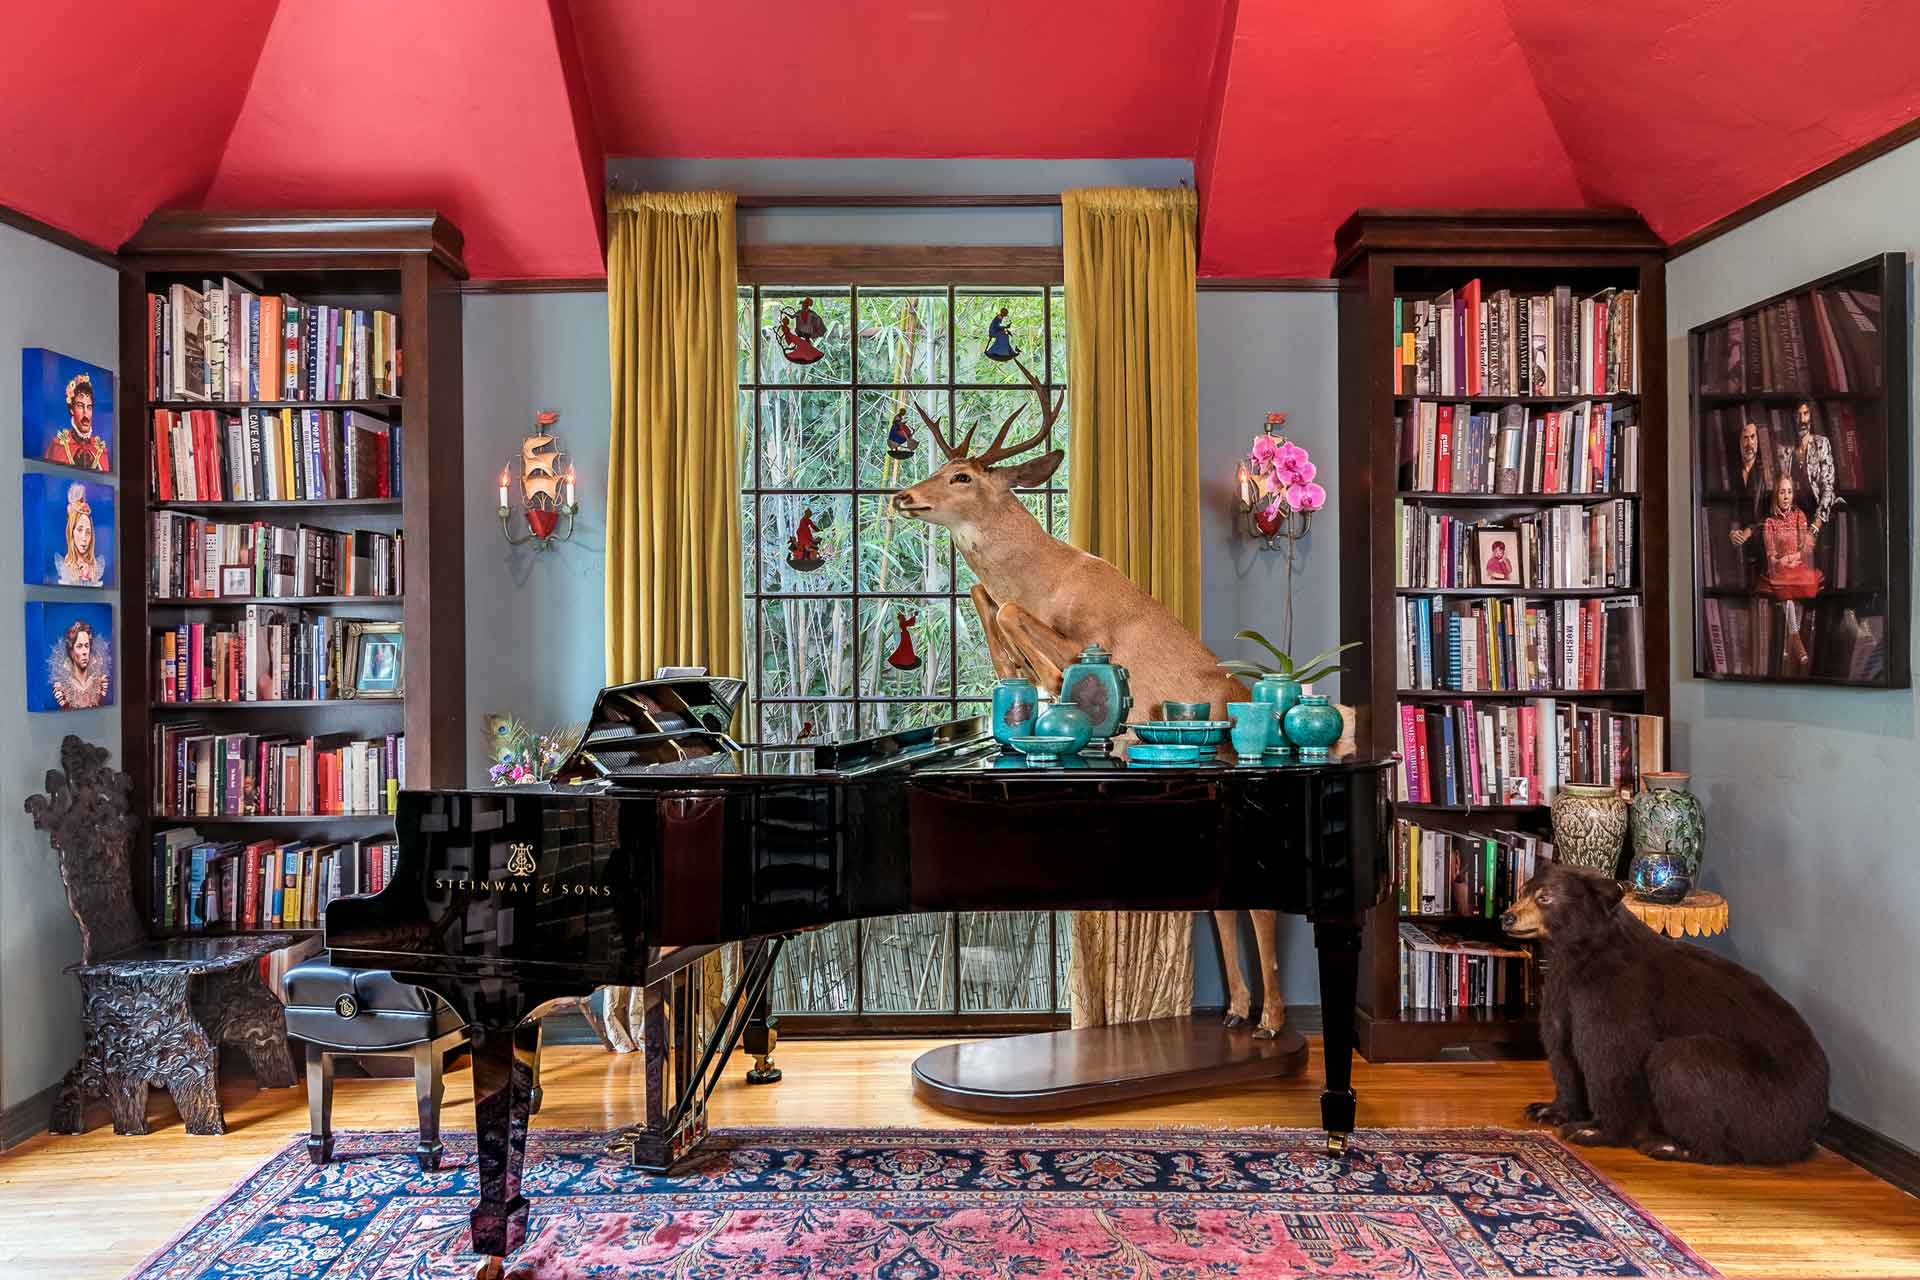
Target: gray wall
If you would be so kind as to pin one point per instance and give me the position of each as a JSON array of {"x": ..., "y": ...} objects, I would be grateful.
[
  {"x": 56, "y": 299},
  {"x": 1810, "y": 793}
]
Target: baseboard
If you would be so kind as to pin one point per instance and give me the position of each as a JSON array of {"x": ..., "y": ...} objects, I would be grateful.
[
  {"x": 1873, "y": 1151},
  {"x": 28, "y": 1119}
]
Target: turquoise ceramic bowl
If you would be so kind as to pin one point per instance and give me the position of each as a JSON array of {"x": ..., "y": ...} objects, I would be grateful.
[
  {"x": 1166, "y": 753},
  {"x": 1185, "y": 711},
  {"x": 1043, "y": 750},
  {"x": 1196, "y": 733}
]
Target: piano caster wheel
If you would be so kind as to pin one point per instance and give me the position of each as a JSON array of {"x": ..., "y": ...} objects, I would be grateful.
[
  {"x": 491, "y": 1269},
  {"x": 1337, "y": 1144},
  {"x": 763, "y": 1071}
]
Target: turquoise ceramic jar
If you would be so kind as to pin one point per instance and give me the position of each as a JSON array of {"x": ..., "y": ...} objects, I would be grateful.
[
  {"x": 1098, "y": 686},
  {"x": 1064, "y": 719},
  {"x": 1282, "y": 693},
  {"x": 1016, "y": 702},
  {"x": 1314, "y": 726},
  {"x": 1253, "y": 729}
]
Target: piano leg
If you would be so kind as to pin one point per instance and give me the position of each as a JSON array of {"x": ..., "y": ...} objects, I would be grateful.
[
  {"x": 1338, "y": 944},
  {"x": 503, "y": 1079},
  {"x": 762, "y": 1033}
]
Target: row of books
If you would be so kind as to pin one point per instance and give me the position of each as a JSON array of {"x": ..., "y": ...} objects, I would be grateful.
[
  {"x": 1777, "y": 429},
  {"x": 1850, "y": 553},
  {"x": 270, "y": 655},
  {"x": 1821, "y": 340},
  {"x": 1453, "y": 873},
  {"x": 273, "y": 455},
  {"x": 198, "y": 774},
  {"x": 1506, "y": 644},
  {"x": 1520, "y": 753},
  {"x": 191, "y": 553},
  {"x": 1444, "y": 971},
  {"x": 263, "y": 884},
  {"x": 1584, "y": 448},
  {"x": 1467, "y": 342},
  {"x": 1563, "y": 548},
  {"x": 223, "y": 341},
  {"x": 1828, "y": 639}
]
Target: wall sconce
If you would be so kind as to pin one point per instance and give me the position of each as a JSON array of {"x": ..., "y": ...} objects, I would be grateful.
[
  {"x": 546, "y": 492},
  {"x": 1275, "y": 489}
]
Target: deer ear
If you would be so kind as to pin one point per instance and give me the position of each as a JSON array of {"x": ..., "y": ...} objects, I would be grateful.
[{"x": 1032, "y": 473}]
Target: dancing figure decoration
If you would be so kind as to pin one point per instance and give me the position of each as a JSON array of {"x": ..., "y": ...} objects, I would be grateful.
[
  {"x": 805, "y": 551},
  {"x": 903, "y": 658},
  {"x": 900, "y": 438},
  {"x": 800, "y": 332},
  {"x": 1000, "y": 339}
]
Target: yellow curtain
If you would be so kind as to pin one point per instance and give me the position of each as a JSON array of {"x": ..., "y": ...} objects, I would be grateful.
[
  {"x": 1134, "y": 500},
  {"x": 673, "y": 535}
]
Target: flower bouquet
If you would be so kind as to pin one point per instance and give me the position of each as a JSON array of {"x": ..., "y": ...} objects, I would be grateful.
[{"x": 520, "y": 756}]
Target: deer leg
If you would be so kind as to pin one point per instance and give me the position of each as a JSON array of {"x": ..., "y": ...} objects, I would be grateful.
[
  {"x": 1007, "y": 661},
  {"x": 1273, "y": 1009},
  {"x": 1046, "y": 652},
  {"x": 1239, "y": 999}
]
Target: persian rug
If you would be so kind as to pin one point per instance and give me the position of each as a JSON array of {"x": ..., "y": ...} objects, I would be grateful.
[{"x": 979, "y": 1204}]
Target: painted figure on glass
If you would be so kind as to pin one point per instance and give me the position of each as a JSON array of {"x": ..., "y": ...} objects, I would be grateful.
[
  {"x": 800, "y": 331},
  {"x": 903, "y": 658},
  {"x": 901, "y": 442},
  {"x": 1000, "y": 338},
  {"x": 805, "y": 551}
]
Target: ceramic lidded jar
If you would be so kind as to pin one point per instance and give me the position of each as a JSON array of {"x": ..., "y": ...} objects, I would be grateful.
[
  {"x": 1313, "y": 725},
  {"x": 1098, "y": 686},
  {"x": 1589, "y": 824},
  {"x": 1669, "y": 836},
  {"x": 1064, "y": 719},
  {"x": 1016, "y": 704}
]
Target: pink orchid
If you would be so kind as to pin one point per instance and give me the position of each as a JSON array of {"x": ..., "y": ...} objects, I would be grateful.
[
  {"x": 1264, "y": 451},
  {"x": 1289, "y": 463},
  {"x": 1306, "y": 497}
]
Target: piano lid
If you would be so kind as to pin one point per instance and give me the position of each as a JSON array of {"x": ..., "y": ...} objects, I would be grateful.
[{"x": 676, "y": 725}]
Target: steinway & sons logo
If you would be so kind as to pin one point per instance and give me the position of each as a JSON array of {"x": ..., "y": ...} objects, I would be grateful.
[{"x": 521, "y": 865}]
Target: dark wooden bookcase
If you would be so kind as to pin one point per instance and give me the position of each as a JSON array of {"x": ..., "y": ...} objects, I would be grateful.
[
  {"x": 406, "y": 261},
  {"x": 1384, "y": 253}
]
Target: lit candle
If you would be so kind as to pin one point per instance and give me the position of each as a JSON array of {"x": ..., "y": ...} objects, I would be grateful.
[
  {"x": 503, "y": 488},
  {"x": 569, "y": 486},
  {"x": 1246, "y": 487}
]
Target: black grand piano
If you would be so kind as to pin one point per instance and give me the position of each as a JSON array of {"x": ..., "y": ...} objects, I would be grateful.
[{"x": 662, "y": 841}]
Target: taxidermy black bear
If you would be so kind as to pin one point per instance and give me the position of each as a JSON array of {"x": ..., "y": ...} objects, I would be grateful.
[{"x": 1660, "y": 1045}]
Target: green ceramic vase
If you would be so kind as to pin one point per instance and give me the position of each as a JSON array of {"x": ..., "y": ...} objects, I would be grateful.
[
  {"x": 1283, "y": 692},
  {"x": 1314, "y": 726},
  {"x": 1669, "y": 832},
  {"x": 1589, "y": 825}
]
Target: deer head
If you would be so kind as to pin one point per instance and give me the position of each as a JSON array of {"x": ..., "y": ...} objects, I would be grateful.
[{"x": 969, "y": 491}]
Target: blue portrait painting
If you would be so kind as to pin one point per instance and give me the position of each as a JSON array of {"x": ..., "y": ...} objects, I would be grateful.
[
  {"x": 66, "y": 410},
  {"x": 69, "y": 655},
  {"x": 66, "y": 531}
]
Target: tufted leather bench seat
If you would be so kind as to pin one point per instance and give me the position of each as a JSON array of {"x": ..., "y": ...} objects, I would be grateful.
[{"x": 371, "y": 1013}]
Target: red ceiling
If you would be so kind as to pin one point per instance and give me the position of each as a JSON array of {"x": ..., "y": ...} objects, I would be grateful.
[{"x": 501, "y": 114}]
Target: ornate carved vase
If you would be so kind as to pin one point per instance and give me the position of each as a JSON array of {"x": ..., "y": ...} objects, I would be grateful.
[
  {"x": 1016, "y": 703},
  {"x": 1669, "y": 837},
  {"x": 1314, "y": 725},
  {"x": 1589, "y": 824},
  {"x": 1098, "y": 686},
  {"x": 1064, "y": 719}
]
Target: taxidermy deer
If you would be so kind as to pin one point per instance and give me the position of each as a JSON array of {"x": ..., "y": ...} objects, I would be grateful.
[{"x": 1042, "y": 601}]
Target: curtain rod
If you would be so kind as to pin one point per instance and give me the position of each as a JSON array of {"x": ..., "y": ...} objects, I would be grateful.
[{"x": 899, "y": 202}]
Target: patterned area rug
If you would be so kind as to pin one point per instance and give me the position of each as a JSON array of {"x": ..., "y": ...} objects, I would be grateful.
[{"x": 836, "y": 1204}]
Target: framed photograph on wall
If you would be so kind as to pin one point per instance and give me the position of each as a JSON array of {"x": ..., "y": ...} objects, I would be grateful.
[
  {"x": 69, "y": 655},
  {"x": 66, "y": 410},
  {"x": 66, "y": 531},
  {"x": 1801, "y": 440},
  {"x": 376, "y": 661}
]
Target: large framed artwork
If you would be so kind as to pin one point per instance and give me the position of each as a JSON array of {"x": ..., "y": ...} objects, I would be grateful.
[
  {"x": 66, "y": 410},
  {"x": 67, "y": 531},
  {"x": 69, "y": 655},
  {"x": 1801, "y": 440}
]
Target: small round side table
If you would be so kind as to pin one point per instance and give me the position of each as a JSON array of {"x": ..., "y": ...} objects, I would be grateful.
[{"x": 1702, "y": 913}]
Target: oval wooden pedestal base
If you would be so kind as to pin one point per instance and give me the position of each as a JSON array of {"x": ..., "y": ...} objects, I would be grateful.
[{"x": 1058, "y": 1070}]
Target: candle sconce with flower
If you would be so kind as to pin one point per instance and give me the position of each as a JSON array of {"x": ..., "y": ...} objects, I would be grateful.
[
  {"x": 1277, "y": 496},
  {"x": 546, "y": 492}
]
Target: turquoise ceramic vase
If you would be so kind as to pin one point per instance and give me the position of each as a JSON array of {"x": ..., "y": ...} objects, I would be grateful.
[
  {"x": 1283, "y": 694},
  {"x": 1065, "y": 719},
  {"x": 1098, "y": 686},
  {"x": 1314, "y": 725},
  {"x": 1016, "y": 702},
  {"x": 1252, "y": 731}
]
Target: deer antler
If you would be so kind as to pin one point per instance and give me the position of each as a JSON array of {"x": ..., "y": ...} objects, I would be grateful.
[
  {"x": 933, "y": 428},
  {"x": 1048, "y": 412}
]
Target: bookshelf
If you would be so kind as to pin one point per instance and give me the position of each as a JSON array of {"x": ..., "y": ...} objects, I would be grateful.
[
  {"x": 404, "y": 262},
  {"x": 1382, "y": 255}
]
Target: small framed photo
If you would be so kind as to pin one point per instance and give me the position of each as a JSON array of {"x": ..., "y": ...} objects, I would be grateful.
[
  {"x": 1498, "y": 552},
  {"x": 376, "y": 661},
  {"x": 236, "y": 580}
]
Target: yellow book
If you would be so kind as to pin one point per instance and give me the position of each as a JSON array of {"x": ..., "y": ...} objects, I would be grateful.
[
  {"x": 1413, "y": 870},
  {"x": 285, "y": 460}
]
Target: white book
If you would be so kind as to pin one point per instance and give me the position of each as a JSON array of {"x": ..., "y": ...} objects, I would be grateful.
[{"x": 187, "y": 316}]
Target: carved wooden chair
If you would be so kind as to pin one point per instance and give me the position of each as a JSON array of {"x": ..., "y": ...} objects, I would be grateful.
[{"x": 157, "y": 1010}]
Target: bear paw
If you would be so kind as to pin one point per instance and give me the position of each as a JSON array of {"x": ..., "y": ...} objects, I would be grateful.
[
  {"x": 1551, "y": 1113},
  {"x": 1666, "y": 1149}
]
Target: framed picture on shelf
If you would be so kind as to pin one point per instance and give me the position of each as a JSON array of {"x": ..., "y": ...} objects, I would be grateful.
[
  {"x": 1496, "y": 551},
  {"x": 66, "y": 410},
  {"x": 236, "y": 580},
  {"x": 1801, "y": 441},
  {"x": 69, "y": 655},
  {"x": 67, "y": 531},
  {"x": 376, "y": 661}
]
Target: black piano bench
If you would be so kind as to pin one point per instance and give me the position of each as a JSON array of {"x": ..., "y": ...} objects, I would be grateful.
[{"x": 343, "y": 1012}]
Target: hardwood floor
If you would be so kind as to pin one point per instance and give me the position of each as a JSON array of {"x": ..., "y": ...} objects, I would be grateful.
[{"x": 92, "y": 1207}]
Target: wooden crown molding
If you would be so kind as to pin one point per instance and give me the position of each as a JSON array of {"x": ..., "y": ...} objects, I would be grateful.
[
  {"x": 294, "y": 232},
  {"x": 802, "y": 264},
  {"x": 1267, "y": 284},
  {"x": 561, "y": 284},
  {"x": 55, "y": 236},
  {"x": 1556, "y": 231}
]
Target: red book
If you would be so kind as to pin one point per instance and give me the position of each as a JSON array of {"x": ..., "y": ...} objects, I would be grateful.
[
  {"x": 1529, "y": 766},
  {"x": 162, "y": 455},
  {"x": 250, "y": 913},
  {"x": 1420, "y": 760},
  {"x": 1550, "y": 446},
  {"x": 1597, "y": 345},
  {"x": 1409, "y": 751},
  {"x": 1443, "y": 450},
  {"x": 1471, "y": 298}
]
